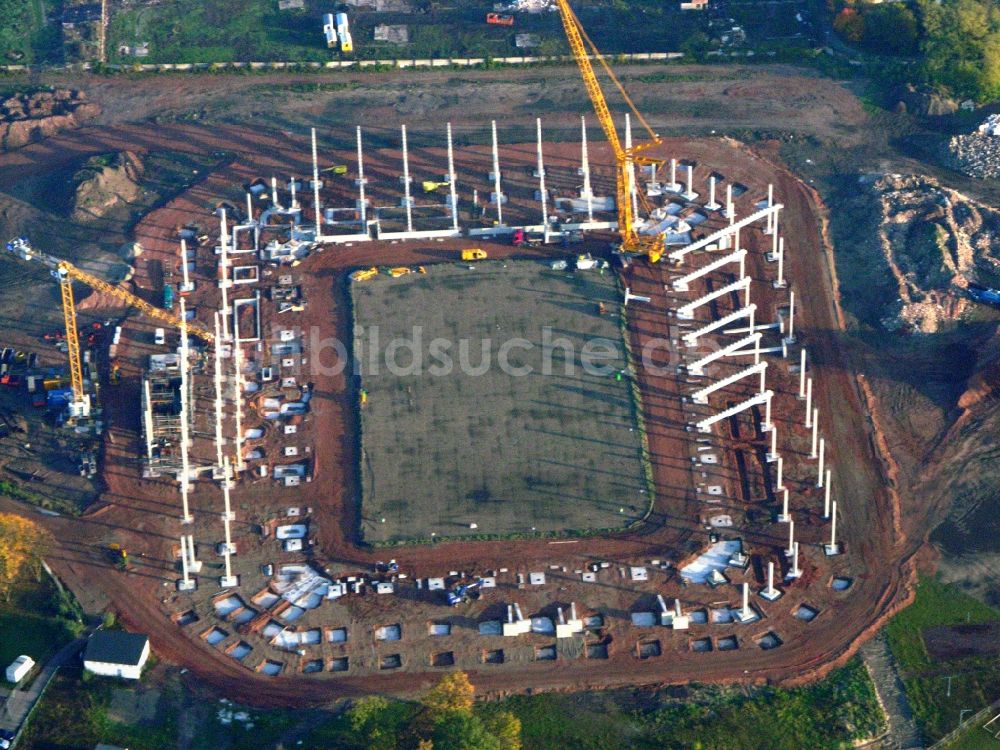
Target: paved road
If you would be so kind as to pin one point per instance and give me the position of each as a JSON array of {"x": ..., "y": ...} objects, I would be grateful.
[
  {"x": 20, "y": 702},
  {"x": 903, "y": 732}
]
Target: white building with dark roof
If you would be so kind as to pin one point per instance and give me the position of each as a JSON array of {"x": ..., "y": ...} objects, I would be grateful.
[{"x": 114, "y": 653}]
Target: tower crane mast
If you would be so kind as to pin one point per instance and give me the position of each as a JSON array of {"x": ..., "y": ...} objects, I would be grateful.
[
  {"x": 583, "y": 48},
  {"x": 65, "y": 272}
]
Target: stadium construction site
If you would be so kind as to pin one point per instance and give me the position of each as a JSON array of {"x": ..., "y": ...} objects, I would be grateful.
[{"x": 703, "y": 501}]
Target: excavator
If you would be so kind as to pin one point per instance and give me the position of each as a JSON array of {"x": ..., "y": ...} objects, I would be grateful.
[
  {"x": 66, "y": 273},
  {"x": 632, "y": 243}
]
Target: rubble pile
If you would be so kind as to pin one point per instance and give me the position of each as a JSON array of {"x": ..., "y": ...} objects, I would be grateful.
[
  {"x": 975, "y": 154},
  {"x": 935, "y": 241},
  {"x": 30, "y": 117}
]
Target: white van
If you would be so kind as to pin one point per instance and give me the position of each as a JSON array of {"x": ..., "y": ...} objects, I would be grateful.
[{"x": 160, "y": 337}]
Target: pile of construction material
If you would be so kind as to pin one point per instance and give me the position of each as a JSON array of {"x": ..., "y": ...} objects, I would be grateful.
[
  {"x": 934, "y": 241},
  {"x": 976, "y": 154}
]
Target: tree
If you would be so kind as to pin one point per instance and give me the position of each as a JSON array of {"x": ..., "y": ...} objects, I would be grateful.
[
  {"x": 22, "y": 544},
  {"x": 505, "y": 727},
  {"x": 369, "y": 717},
  {"x": 463, "y": 730},
  {"x": 890, "y": 29},
  {"x": 961, "y": 47},
  {"x": 696, "y": 46},
  {"x": 453, "y": 692},
  {"x": 850, "y": 25}
]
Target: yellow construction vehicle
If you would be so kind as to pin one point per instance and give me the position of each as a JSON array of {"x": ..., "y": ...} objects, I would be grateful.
[
  {"x": 430, "y": 186},
  {"x": 67, "y": 273},
  {"x": 405, "y": 270},
  {"x": 583, "y": 48},
  {"x": 118, "y": 555},
  {"x": 473, "y": 253},
  {"x": 364, "y": 274},
  {"x": 336, "y": 169}
]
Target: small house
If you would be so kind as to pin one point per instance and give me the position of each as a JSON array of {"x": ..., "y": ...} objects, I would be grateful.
[
  {"x": 114, "y": 653},
  {"x": 19, "y": 669}
]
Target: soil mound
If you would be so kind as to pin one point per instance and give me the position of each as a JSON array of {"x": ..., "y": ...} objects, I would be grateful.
[
  {"x": 25, "y": 118},
  {"x": 104, "y": 182}
]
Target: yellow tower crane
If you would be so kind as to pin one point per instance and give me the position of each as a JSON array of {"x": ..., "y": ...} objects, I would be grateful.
[
  {"x": 66, "y": 273},
  {"x": 582, "y": 48}
]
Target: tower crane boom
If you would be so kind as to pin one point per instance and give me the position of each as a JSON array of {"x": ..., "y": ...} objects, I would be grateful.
[
  {"x": 65, "y": 272},
  {"x": 632, "y": 241}
]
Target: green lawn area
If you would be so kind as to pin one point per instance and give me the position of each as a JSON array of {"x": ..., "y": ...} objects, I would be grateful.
[
  {"x": 31, "y": 621},
  {"x": 975, "y": 681},
  {"x": 936, "y": 604},
  {"x": 24, "y": 36},
  {"x": 832, "y": 713},
  {"x": 977, "y": 738}
]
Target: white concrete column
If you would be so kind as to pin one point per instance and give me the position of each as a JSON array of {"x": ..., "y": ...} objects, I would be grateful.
[
  {"x": 586, "y": 191},
  {"x": 360, "y": 182},
  {"x": 407, "y": 200},
  {"x": 772, "y": 456},
  {"x": 791, "y": 538},
  {"x": 822, "y": 456},
  {"x": 274, "y": 193},
  {"x": 673, "y": 175},
  {"x": 802, "y": 373},
  {"x": 770, "y": 216},
  {"x": 785, "y": 515},
  {"x": 833, "y": 526},
  {"x": 496, "y": 174},
  {"x": 815, "y": 433},
  {"x": 541, "y": 180},
  {"x": 809, "y": 398},
  {"x": 790, "y": 338},
  {"x": 317, "y": 209},
  {"x": 452, "y": 189},
  {"x": 185, "y": 363},
  {"x": 630, "y": 167},
  {"x": 186, "y": 577},
  {"x": 780, "y": 485},
  {"x": 795, "y": 572},
  {"x": 780, "y": 281},
  {"x": 711, "y": 205},
  {"x": 826, "y": 495},
  {"x": 745, "y": 612},
  {"x": 767, "y": 415},
  {"x": 224, "y": 272}
]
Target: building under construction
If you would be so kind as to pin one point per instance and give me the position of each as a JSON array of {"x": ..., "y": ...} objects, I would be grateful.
[{"x": 163, "y": 409}]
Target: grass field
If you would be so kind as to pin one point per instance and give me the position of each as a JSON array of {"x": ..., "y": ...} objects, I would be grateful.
[
  {"x": 511, "y": 449},
  {"x": 975, "y": 681},
  {"x": 33, "y": 621}
]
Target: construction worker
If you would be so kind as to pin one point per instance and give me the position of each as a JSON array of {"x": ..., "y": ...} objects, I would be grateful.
[
  {"x": 364, "y": 397},
  {"x": 600, "y": 308}
]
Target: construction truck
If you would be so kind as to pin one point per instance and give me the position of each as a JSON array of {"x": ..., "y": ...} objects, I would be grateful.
[
  {"x": 464, "y": 592},
  {"x": 498, "y": 19},
  {"x": 364, "y": 274},
  {"x": 405, "y": 271},
  {"x": 473, "y": 253},
  {"x": 337, "y": 169},
  {"x": 430, "y": 186}
]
